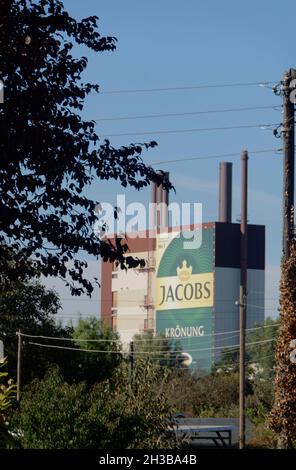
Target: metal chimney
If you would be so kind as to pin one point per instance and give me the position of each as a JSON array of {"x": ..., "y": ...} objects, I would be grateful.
[
  {"x": 160, "y": 197},
  {"x": 225, "y": 192},
  {"x": 165, "y": 204}
]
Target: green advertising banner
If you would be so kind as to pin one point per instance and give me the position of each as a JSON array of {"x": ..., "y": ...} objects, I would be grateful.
[{"x": 185, "y": 294}]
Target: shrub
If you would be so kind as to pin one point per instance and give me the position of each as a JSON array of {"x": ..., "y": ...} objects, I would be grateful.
[
  {"x": 57, "y": 415},
  {"x": 7, "y": 397}
]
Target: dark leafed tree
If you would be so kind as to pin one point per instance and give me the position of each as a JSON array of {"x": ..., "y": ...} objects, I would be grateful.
[
  {"x": 33, "y": 309},
  {"x": 283, "y": 415},
  {"x": 158, "y": 349},
  {"x": 97, "y": 366},
  {"x": 48, "y": 153}
]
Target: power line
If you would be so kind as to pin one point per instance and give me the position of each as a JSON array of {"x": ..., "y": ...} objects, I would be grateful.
[
  {"x": 227, "y": 364},
  {"x": 146, "y": 352},
  {"x": 189, "y": 113},
  {"x": 201, "y": 129},
  {"x": 73, "y": 349},
  {"x": 263, "y": 83},
  {"x": 150, "y": 339},
  {"x": 209, "y": 157},
  {"x": 139, "y": 301},
  {"x": 138, "y": 326},
  {"x": 236, "y": 346}
]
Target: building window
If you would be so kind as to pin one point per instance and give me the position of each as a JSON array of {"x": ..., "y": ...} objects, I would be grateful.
[
  {"x": 114, "y": 319},
  {"x": 114, "y": 275},
  {"x": 114, "y": 299}
]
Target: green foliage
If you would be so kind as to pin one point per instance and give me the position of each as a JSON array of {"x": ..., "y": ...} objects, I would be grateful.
[
  {"x": 260, "y": 357},
  {"x": 7, "y": 390},
  {"x": 229, "y": 360},
  {"x": 156, "y": 348},
  {"x": 215, "y": 393},
  {"x": 56, "y": 415},
  {"x": 48, "y": 153},
  {"x": 263, "y": 437},
  {"x": 219, "y": 390},
  {"x": 94, "y": 367},
  {"x": 263, "y": 354},
  {"x": 31, "y": 308},
  {"x": 7, "y": 397},
  {"x": 260, "y": 400}
]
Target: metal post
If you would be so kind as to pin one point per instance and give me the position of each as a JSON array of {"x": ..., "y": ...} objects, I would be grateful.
[
  {"x": 243, "y": 297},
  {"x": 288, "y": 170},
  {"x": 19, "y": 365}
]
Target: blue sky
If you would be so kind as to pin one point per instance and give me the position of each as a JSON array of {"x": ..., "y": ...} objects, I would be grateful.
[{"x": 168, "y": 43}]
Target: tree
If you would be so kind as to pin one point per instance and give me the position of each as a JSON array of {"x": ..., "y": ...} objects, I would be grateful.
[
  {"x": 260, "y": 356},
  {"x": 229, "y": 360},
  {"x": 48, "y": 153},
  {"x": 97, "y": 366},
  {"x": 259, "y": 402},
  {"x": 56, "y": 415},
  {"x": 282, "y": 418},
  {"x": 31, "y": 308},
  {"x": 156, "y": 348}
]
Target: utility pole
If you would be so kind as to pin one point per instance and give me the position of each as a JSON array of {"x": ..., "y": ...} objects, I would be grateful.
[
  {"x": 284, "y": 403},
  {"x": 19, "y": 365},
  {"x": 243, "y": 298},
  {"x": 289, "y": 163}
]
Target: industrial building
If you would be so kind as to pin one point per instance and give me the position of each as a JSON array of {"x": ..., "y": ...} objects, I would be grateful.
[{"x": 188, "y": 295}]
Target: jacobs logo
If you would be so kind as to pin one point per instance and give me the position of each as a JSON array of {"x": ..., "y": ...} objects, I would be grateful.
[
  {"x": 185, "y": 272},
  {"x": 186, "y": 290}
]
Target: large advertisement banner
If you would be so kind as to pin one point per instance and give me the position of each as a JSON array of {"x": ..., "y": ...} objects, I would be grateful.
[{"x": 185, "y": 295}]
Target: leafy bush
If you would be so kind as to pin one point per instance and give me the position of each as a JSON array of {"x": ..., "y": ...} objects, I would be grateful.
[
  {"x": 57, "y": 415},
  {"x": 215, "y": 393},
  {"x": 7, "y": 397},
  {"x": 32, "y": 308},
  {"x": 94, "y": 367},
  {"x": 263, "y": 437},
  {"x": 259, "y": 402}
]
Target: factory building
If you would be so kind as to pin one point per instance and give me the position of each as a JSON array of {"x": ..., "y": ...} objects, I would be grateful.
[{"x": 190, "y": 295}]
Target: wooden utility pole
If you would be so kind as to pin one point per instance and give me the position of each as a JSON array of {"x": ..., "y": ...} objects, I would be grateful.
[
  {"x": 289, "y": 163},
  {"x": 19, "y": 365},
  {"x": 243, "y": 298},
  {"x": 282, "y": 416}
]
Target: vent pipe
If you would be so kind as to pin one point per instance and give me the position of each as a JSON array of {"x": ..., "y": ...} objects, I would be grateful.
[{"x": 160, "y": 197}]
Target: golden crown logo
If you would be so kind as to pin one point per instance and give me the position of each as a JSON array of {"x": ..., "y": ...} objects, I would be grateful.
[{"x": 185, "y": 272}]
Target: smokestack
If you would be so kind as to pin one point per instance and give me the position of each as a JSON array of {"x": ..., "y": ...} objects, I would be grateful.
[
  {"x": 225, "y": 192},
  {"x": 160, "y": 197},
  {"x": 154, "y": 199},
  {"x": 165, "y": 204}
]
